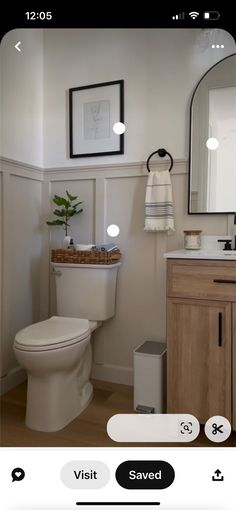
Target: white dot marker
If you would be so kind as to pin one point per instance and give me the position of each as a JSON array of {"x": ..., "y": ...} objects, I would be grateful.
[
  {"x": 119, "y": 128},
  {"x": 113, "y": 230},
  {"x": 212, "y": 144}
]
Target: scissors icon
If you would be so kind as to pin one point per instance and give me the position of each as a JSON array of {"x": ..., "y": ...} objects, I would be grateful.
[{"x": 216, "y": 428}]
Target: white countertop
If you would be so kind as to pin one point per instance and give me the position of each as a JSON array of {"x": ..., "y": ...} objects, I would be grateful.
[{"x": 201, "y": 254}]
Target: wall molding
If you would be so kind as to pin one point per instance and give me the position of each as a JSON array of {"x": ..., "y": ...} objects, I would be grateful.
[
  {"x": 113, "y": 373},
  {"x": 12, "y": 379},
  {"x": 18, "y": 168},
  {"x": 133, "y": 169}
]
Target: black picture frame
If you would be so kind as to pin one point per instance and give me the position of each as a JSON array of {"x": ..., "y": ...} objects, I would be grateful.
[{"x": 93, "y": 110}]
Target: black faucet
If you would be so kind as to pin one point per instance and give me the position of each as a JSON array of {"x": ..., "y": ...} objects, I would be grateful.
[{"x": 227, "y": 242}]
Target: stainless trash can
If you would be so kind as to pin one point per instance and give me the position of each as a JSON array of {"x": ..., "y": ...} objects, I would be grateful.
[{"x": 150, "y": 377}]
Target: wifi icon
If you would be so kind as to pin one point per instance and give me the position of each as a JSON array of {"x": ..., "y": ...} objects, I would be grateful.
[{"x": 193, "y": 14}]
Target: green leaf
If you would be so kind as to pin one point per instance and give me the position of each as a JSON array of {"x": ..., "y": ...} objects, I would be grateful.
[
  {"x": 61, "y": 201},
  {"x": 71, "y": 198},
  {"x": 56, "y": 222},
  {"x": 59, "y": 212},
  {"x": 72, "y": 212}
]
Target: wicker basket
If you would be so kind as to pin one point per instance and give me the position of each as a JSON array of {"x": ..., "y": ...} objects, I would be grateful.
[{"x": 85, "y": 257}]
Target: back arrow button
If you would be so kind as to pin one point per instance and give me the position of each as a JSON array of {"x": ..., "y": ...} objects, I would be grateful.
[{"x": 17, "y": 46}]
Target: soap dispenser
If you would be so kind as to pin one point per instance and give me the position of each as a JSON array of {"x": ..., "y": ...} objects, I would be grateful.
[{"x": 71, "y": 245}]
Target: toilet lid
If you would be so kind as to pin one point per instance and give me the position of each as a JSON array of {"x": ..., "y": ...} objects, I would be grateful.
[{"x": 53, "y": 332}]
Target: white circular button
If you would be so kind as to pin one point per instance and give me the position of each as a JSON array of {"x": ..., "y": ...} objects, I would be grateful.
[
  {"x": 119, "y": 128},
  {"x": 113, "y": 230},
  {"x": 217, "y": 429},
  {"x": 212, "y": 144}
]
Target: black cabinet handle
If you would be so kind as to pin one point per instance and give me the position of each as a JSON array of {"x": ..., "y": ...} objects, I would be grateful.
[
  {"x": 225, "y": 281},
  {"x": 220, "y": 329}
]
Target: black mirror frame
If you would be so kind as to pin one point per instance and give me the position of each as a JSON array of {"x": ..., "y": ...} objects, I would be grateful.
[{"x": 190, "y": 135}]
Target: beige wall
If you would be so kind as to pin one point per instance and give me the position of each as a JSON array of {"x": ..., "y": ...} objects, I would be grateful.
[
  {"x": 160, "y": 69},
  {"x": 21, "y": 105}
]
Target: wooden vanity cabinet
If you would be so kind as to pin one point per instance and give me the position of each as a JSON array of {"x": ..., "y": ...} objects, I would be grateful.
[
  {"x": 234, "y": 367},
  {"x": 201, "y": 338}
]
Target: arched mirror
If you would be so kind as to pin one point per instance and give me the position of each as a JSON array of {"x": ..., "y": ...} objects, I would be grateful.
[{"x": 212, "y": 159}]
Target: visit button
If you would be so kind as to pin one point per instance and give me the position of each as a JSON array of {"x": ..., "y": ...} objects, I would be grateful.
[{"x": 145, "y": 474}]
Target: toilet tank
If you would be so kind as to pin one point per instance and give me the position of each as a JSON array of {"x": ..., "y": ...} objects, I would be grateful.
[{"x": 86, "y": 291}]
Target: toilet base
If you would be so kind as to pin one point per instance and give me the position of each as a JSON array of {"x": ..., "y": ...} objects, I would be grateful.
[{"x": 51, "y": 405}]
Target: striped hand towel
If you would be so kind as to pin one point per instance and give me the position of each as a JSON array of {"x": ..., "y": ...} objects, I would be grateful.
[{"x": 158, "y": 202}]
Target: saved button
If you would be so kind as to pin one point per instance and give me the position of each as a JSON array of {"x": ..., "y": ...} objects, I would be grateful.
[{"x": 145, "y": 474}]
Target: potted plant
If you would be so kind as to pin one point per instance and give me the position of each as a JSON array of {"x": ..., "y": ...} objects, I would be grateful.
[{"x": 66, "y": 209}]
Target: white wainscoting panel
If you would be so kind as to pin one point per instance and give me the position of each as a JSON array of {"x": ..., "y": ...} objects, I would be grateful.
[
  {"x": 110, "y": 194},
  {"x": 21, "y": 239}
]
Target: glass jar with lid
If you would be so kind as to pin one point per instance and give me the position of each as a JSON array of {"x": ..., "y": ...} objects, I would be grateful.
[{"x": 192, "y": 239}]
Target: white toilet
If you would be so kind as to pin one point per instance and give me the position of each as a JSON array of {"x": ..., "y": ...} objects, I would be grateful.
[{"x": 56, "y": 353}]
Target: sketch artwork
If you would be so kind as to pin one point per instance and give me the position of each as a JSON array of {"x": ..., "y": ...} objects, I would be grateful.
[
  {"x": 93, "y": 111},
  {"x": 96, "y": 120}
]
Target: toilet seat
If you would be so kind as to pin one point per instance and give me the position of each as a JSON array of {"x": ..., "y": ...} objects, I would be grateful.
[{"x": 53, "y": 333}]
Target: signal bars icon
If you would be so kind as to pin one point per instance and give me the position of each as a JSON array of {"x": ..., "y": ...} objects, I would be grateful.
[{"x": 181, "y": 15}]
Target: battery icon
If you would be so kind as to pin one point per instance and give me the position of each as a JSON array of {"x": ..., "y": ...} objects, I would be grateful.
[{"x": 211, "y": 15}]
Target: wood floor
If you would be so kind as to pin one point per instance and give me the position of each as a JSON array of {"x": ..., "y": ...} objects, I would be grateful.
[{"x": 89, "y": 429}]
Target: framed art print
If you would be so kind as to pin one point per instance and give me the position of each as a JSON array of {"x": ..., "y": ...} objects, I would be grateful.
[{"x": 93, "y": 111}]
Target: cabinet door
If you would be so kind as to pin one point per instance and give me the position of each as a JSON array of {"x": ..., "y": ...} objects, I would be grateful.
[
  {"x": 234, "y": 365},
  {"x": 199, "y": 358}
]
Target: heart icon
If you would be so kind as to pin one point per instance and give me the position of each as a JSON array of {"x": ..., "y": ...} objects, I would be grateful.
[{"x": 18, "y": 474}]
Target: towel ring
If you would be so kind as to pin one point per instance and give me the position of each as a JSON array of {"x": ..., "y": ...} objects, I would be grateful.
[{"x": 162, "y": 153}]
